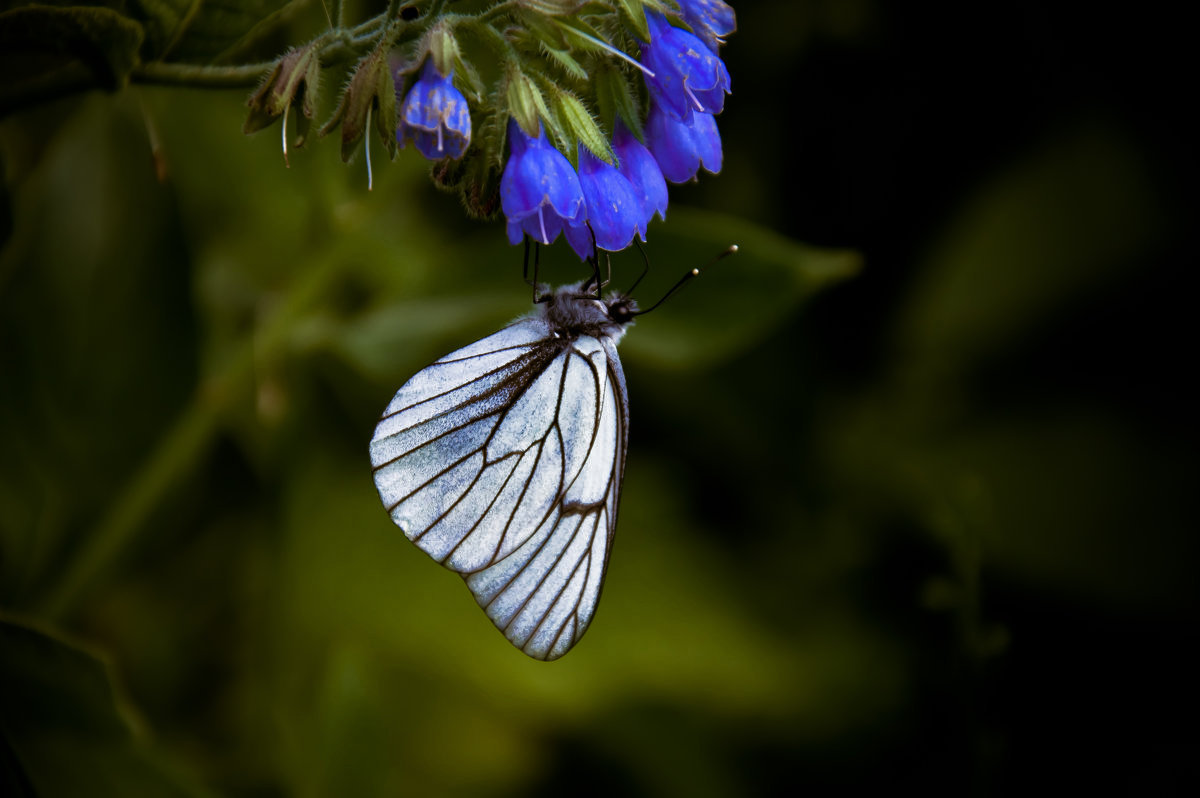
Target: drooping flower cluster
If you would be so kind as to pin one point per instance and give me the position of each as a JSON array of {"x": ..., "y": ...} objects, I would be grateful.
[
  {"x": 687, "y": 83},
  {"x": 596, "y": 106}
]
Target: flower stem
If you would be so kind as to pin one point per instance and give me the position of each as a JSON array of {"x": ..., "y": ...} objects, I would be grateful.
[
  {"x": 182, "y": 447},
  {"x": 200, "y": 75}
]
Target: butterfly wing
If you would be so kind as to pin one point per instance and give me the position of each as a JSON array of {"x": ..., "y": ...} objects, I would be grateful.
[{"x": 503, "y": 462}]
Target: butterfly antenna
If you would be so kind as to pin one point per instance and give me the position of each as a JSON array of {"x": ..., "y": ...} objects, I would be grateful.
[
  {"x": 645, "y": 267},
  {"x": 594, "y": 260},
  {"x": 537, "y": 255},
  {"x": 684, "y": 280}
]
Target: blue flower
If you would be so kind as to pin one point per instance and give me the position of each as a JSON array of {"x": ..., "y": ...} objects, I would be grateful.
[
  {"x": 434, "y": 115},
  {"x": 613, "y": 209},
  {"x": 687, "y": 75},
  {"x": 711, "y": 20},
  {"x": 539, "y": 191},
  {"x": 643, "y": 173},
  {"x": 681, "y": 147}
]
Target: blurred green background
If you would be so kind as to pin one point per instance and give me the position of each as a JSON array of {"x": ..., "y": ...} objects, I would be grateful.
[{"x": 905, "y": 506}]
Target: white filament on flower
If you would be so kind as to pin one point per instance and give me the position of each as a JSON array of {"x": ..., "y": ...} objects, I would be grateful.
[
  {"x": 283, "y": 135},
  {"x": 612, "y": 50},
  {"x": 368, "y": 135}
]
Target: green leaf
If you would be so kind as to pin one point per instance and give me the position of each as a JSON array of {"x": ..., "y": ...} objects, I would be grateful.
[
  {"x": 551, "y": 7},
  {"x": 635, "y": 13},
  {"x": 443, "y": 48},
  {"x": 525, "y": 102},
  {"x": 582, "y": 126},
  {"x": 581, "y": 34},
  {"x": 465, "y": 71},
  {"x": 565, "y": 60},
  {"x": 59, "y": 706},
  {"x": 616, "y": 99},
  {"x": 542, "y": 31},
  {"x": 374, "y": 343},
  {"x": 102, "y": 300},
  {"x": 534, "y": 97}
]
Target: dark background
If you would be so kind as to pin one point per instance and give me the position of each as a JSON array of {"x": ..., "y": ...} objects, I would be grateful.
[{"x": 914, "y": 519}]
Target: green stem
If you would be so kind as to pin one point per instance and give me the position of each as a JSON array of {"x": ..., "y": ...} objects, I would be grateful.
[
  {"x": 199, "y": 75},
  {"x": 181, "y": 448}
]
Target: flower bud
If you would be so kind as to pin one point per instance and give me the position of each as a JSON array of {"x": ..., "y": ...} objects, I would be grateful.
[
  {"x": 434, "y": 116},
  {"x": 371, "y": 93},
  {"x": 293, "y": 81}
]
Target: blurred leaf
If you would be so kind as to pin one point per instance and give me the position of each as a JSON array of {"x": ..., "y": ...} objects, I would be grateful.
[
  {"x": 1055, "y": 496},
  {"x": 65, "y": 725},
  {"x": 1057, "y": 503},
  {"x": 406, "y": 679},
  {"x": 45, "y": 50},
  {"x": 96, "y": 337},
  {"x": 187, "y": 30},
  {"x": 1073, "y": 215},
  {"x": 739, "y": 301},
  {"x": 742, "y": 300},
  {"x": 376, "y": 342}
]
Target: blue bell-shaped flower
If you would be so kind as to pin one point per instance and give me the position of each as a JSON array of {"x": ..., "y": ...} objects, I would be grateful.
[
  {"x": 435, "y": 116},
  {"x": 642, "y": 171},
  {"x": 711, "y": 20},
  {"x": 688, "y": 77},
  {"x": 539, "y": 191},
  {"x": 613, "y": 208},
  {"x": 681, "y": 147}
]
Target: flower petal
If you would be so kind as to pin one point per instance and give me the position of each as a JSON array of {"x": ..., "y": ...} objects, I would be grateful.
[
  {"x": 434, "y": 116},
  {"x": 643, "y": 173},
  {"x": 539, "y": 191},
  {"x": 613, "y": 209}
]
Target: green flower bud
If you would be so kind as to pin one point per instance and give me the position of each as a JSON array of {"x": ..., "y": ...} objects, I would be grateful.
[
  {"x": 369, "y": 99},
  {"x": 293, "y": 82}
]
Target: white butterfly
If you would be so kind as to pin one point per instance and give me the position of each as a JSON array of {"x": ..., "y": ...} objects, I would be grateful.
[{"x": 503, "y": 462}]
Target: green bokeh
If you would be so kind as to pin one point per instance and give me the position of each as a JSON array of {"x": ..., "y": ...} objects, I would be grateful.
[{"x": 836, "y": 574}]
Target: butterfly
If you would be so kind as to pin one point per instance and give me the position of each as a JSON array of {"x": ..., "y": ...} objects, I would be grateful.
[{"x": 503, "y": 461}]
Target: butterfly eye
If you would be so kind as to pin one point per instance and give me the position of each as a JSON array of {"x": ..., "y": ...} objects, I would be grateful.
[{"x": 622, "y": 311}]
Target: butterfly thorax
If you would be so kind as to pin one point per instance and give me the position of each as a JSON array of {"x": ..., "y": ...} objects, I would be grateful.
[{"x": 574, "y": 310}]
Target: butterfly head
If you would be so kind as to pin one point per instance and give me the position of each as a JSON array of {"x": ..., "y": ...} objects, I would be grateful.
[
  {"x": 621, "y": 308},
  {"x": 574, "y": 310}
]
